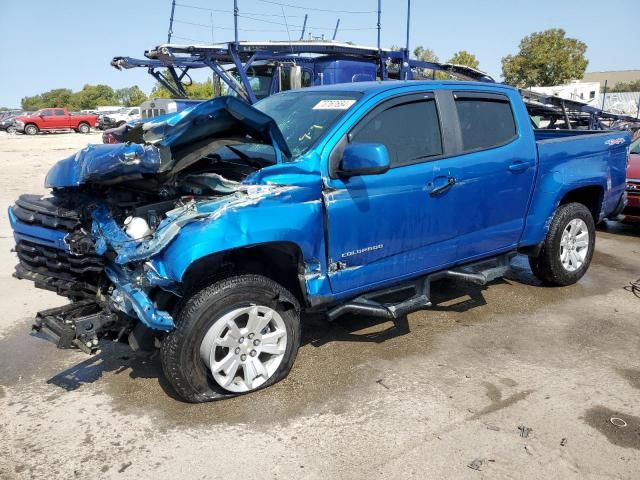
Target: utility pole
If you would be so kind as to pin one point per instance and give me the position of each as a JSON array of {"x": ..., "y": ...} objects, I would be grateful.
[
  {"x": 604, "y": 95},
  {"x": 408, "y": 23},
  {"x": 379, "y": 13},
  {"x": 173, "y": 9},
  {"x": 304, "y": 26},
  {"x": 335, "y": 32},
  {"x": 235, "y": 20}
]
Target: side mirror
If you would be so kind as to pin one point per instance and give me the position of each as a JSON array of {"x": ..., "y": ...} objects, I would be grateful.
[{"x": 364, "y": 159}]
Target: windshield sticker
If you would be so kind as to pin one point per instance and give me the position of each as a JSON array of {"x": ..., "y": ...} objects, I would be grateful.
[{"x": 333, "y": 104}]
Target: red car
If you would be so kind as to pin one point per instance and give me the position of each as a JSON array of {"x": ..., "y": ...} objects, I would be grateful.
[
  {"x": 632, "y": 212},
  {"x": 47, "y": 119}
]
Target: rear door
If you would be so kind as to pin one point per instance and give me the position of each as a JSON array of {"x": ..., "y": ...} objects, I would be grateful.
[
  {"x": 384, "y": 227},
  {"x": 492, "y": 174},
  {"x": 60, "y": 118}
]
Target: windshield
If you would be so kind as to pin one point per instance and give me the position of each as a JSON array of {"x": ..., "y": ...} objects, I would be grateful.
[
  {"x": 259, "y": 78},
  {"x": 635, "y": 146},
  {"x": 303, "y": 117}
]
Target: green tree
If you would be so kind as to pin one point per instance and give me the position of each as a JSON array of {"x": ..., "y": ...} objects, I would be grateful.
[
  {"x": 625, "y": 87},
  {"x": 130, "y": 96},
  {"x": 197, "y": 90},
  {"x": 92, "y": 96},
  {"x": 464, "y": 58},
  {"x": 58, "y": 97},
  {"x": 425, "y": 54},
  {"x": 545, "y": 59}
]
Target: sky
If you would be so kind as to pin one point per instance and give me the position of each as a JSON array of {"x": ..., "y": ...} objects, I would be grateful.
[{"x": 69, "y": 43}]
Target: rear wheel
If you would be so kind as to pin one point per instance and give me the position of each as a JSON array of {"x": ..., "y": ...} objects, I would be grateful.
[
  {"x": 233, "y": 337},
  {"x": 568, "y": 248},
  {"x": 30, "y": 129},
  {"x": 84, "y": 128}
]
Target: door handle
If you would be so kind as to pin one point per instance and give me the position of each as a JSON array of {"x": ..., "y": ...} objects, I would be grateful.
[
  {"x": 519, "y": 166},
  {"x": 451, "y": 181}
]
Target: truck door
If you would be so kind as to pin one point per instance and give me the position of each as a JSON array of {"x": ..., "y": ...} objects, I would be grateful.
[
  {"x": 60, "y": 119},
  {"x": 387, "y": 226},
  {"x": 47, "y": 119},
  {"x": 492, "y": 174}
]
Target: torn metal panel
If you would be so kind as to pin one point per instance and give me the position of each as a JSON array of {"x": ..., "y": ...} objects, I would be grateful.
[
  {"x": 104, "y": 163},
  {"x": 131, "y": 299}
]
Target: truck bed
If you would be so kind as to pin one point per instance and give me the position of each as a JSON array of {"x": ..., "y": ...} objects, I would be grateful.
[{"x": 570, "y": 159}]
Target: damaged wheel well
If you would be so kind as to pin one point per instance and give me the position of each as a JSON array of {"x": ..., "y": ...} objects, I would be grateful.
[
  {"x": 591, "y": 197},
  {"x": 279, "y": 261}
]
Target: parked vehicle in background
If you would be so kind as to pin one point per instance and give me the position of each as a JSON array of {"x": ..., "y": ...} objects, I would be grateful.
[
  {"x": 631, "y": 213},
  {"x": 7, "y": 123},
  {"x": 119, "y": 118},
  {"x": 212, "y": 231},
  {"x": 162, "y": 106},
  {"x": 54, "y": 119},
  {"x": 101, "y": 118}
]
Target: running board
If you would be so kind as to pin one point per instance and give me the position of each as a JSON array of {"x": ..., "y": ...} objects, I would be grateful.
[{"x": 479, "y": 273}]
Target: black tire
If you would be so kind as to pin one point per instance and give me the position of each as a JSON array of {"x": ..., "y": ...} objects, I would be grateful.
[
  {"x": 180, "y": 350},
  {"x": 31, "y": 129},
  {"x": 11, "y": 129},
  {"x": 547, "y": 265},
  {"x": 83, "y": 128}
]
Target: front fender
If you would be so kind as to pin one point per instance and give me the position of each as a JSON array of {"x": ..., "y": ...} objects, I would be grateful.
[{"x": 293, "y": 215}]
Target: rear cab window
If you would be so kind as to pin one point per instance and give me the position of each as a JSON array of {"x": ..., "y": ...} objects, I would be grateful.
[{"x": 486, "y": 120}]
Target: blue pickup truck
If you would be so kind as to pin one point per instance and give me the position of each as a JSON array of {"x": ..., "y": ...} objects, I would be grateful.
[{"x": 211, "y": 233}]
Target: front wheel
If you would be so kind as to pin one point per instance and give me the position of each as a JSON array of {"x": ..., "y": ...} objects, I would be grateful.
[
  {"x": 30, "y": 129},
  {"x": 11, "y": 129},
  {"x": 568, "y": 248},
  {"x": 83, "y": 128},
  {"x": 233, "y": 337}
]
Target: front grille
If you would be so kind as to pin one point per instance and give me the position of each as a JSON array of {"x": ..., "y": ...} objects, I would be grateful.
[
  {"x": 54, "y": 269},
  {"x": 46, "y": 212}
]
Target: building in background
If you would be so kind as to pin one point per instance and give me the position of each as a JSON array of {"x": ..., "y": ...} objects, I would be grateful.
[
  {"x": 613, "y": 77},
  {"x": 587, "y": 92}
]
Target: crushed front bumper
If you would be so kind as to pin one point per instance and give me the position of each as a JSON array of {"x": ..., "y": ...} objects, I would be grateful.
[{"x": 101, "y": 290}]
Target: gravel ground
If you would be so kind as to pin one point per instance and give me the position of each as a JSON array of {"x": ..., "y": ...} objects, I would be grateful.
[{"x": 514, "y": 380}]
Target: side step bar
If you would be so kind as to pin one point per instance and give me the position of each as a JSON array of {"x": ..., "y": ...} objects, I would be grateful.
[
  {"x": 479, "y": 273},
  {"x": 76, "y": 325}
]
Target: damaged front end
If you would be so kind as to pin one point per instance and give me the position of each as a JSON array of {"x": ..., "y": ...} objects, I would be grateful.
[{"x": 114, "y": 208}]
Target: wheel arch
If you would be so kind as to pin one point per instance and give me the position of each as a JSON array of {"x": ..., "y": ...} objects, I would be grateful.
[
  {"x": 281, "y": 261},
  {"x": 31, "y": 124},
  {"x": 591, "y": 196}
]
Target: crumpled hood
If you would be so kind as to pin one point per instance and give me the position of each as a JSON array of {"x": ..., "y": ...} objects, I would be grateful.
[
  {"x": 166, "y": 141},
  {"x": 102, "y": 163}
]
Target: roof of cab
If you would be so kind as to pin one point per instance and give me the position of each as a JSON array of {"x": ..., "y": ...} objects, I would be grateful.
[{"x": 381, "y": 86}]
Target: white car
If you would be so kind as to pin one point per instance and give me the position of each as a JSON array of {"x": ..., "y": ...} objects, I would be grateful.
[{"x": 122, "y": 116}]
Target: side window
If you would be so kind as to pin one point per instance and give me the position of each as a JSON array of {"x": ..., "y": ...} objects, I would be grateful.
[
  {"x": 306, "y": 78},
  {"x": 47, "y": 113},
  {"x": 485, "y": 122},
  {"x": 410, "y": 131},
  {"x": 59, "y": 112}
]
